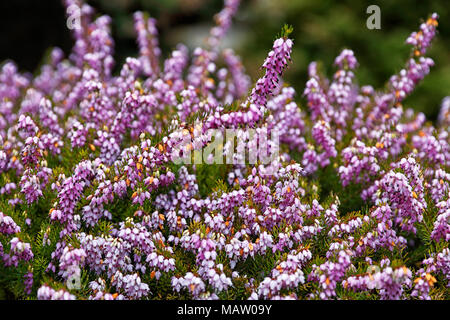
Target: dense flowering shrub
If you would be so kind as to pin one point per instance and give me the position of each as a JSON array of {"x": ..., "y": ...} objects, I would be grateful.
[{"x": 94, "y": 205}]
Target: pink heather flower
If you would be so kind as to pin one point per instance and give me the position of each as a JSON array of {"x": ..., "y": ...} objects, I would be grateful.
[
  {"x": 444, "y": 112},
  {"x": 223, "y": 23},
  {"x": 346, "y": 60},
  {"x": 274, "y": 65},
  {"x": 7, "y": 225},
  {"x": 47, "y": 293},
  {"x": 147, "y": 38},
  {"x": 128, "y": 218}
]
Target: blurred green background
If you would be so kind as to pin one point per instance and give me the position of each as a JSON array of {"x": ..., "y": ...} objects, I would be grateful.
[{"x": 322, "y": 28}]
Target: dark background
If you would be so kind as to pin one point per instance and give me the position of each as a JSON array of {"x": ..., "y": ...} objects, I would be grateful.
[{"x": 322, "y": 28}]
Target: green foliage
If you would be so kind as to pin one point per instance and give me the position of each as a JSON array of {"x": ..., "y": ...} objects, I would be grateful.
[{"x": 286, "y": 31}]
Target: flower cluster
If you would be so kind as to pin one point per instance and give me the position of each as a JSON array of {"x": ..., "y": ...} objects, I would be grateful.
[
  {"x": 47, "y": 293},
  {"x": 390, "y": 282},
  {"x": 93, "y": 187}
]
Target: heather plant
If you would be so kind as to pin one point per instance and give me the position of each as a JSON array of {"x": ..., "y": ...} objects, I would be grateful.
[{"x": 96, "y": 204}]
